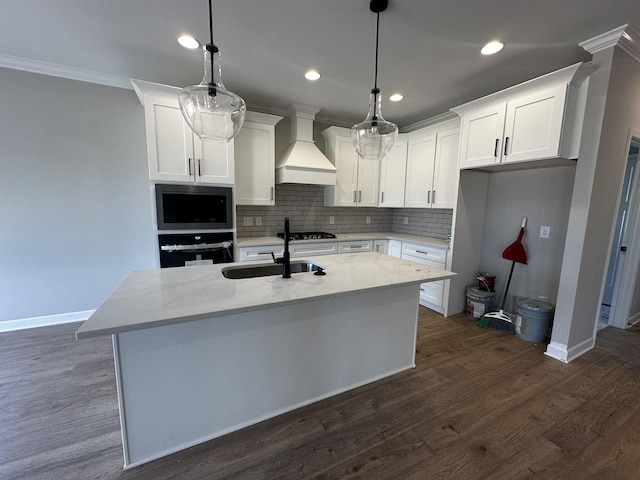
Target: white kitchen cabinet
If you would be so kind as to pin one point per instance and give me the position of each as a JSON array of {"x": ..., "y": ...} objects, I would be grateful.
[
  {"x": 261, "y": 252},
  {"x": 255, "y": 160},
  {"x": 537, "y": 120},
  {"x": 432, "y": 169},
  {"x": 431, "y": 293},
  {"x": 177, "y": 155},
  {"x": 355, "y": 246},
  {"x": 381, "y": 246},
  {"x": 357, "y": 179},
  {"x": 393, "y": 168},
  {"x": 304, "y": 249},
  {"x": 395, "y": 248}
]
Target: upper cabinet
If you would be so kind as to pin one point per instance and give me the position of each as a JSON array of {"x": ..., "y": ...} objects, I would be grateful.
[
  {"x": 393, "y": 169},
  {"x": 357, "y": 179},
  {"x": 255, "y": 160},
  {"x": 432, "y": 166},
  {"x": 536, "y": 120},
  {"x": 175, "y": 154}
]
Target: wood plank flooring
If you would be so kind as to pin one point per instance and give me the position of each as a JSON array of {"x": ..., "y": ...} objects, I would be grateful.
[{"x": 481, "y": 404}]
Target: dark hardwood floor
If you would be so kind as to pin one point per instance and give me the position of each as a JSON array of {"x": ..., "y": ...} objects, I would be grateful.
[{"x": 481, "y": 404}]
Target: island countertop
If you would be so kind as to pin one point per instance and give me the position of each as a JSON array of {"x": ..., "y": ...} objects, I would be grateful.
[{"x": 153, "y": 298}]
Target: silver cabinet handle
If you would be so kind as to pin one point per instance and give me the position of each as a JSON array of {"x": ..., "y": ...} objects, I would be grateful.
[
  {"x": 429, "y": 196},
  {"x": 434, "y": 196},
  {"x": 271, "y": 193},
  {"x": 382, "y": 201},
  {"x": 360, "y": 196},
  {"x": 355, "y": 200}
]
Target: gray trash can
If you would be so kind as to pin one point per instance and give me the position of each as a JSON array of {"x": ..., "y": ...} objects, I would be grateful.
[{"x": 533, "y": 317}]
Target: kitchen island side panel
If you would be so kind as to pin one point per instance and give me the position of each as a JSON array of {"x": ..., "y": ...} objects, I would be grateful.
[{"x": 183, "y": 384}]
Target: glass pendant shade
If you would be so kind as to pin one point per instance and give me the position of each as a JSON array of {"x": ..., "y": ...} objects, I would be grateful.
[
  {"x": 374, "y": 137},
  {"x": 213, "y": 112}
]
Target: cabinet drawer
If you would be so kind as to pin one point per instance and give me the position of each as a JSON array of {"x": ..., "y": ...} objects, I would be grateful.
[
  {"x": 262, "y": 252},
  {"x": 432, "y": 292},
  {"x": 355, "y": 246},
  {"x": 436, "y": 257},
  {"x": 311, "y": 249}
]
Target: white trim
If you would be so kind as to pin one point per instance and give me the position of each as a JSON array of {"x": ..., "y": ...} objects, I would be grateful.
[
  {"x": 604, "y": 40},
  {"x": 44, "y": 321},
  {"x": 559, "y": 350},
  {"x": 73, "y": 73}
]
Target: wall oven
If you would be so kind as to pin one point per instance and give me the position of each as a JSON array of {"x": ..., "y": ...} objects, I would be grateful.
[
  {"x": 179, "y": 250},
  {"x": 193, "y": 207}
]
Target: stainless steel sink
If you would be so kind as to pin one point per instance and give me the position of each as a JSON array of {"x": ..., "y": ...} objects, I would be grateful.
[{"x": 265, "y": 270}]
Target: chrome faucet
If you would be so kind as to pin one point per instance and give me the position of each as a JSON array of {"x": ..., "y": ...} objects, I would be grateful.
[{"x": 285, "y": 260}]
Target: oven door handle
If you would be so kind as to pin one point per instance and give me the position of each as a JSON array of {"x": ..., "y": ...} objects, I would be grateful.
[{"x": 200, "y": 247}]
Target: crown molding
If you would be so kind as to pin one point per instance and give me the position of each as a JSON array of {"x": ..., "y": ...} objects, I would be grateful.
[
  {"x": 626, "y": 37},
  {"x": 443, "y": 117},
  {"x": 62, "y": 71}
]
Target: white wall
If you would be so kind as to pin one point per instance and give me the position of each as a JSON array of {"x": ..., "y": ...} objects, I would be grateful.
[
  {"x": 75, "y": 204},
  {"x": 613, "y": 108}
]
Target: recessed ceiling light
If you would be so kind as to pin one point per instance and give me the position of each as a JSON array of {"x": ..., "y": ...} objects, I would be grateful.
[
  {"x": 187, "y": 41},
  {"x": 492, "y": 47},
  {"x": 396, "y": 97},
  {"x": 312, "y": 75}
]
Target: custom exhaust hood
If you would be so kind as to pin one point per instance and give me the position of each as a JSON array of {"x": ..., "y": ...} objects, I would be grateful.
[{"x": 303, "y": 162}]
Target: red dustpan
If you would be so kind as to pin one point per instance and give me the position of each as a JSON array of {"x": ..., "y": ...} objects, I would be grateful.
[{"x": 515, "y": 252}]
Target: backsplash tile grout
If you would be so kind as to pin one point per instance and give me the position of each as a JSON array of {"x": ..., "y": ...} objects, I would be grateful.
[{"x": 304, "y": 205}]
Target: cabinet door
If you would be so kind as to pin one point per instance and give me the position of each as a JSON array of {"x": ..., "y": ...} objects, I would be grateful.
[
  {"x": 381, "y": 246},
  {"x": 420, "y": 159},
  {"x": 368, "y": 178},
  {"x": 393, "y": 170},
  {"x": 481, "y": 136},
  {"x": 169, "y": 144},
  {"x": 445, "y": 172},
  {"x": 214, "y": 161},
  {"x": 395, "y": 248},
  {"x": 533, "y": 125},
  {"x": 346, "y": 161},
  {"x": 255, "y": 165}
]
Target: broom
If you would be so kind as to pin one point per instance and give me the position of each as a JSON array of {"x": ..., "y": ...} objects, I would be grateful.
[{"x": 501, "y": 320}]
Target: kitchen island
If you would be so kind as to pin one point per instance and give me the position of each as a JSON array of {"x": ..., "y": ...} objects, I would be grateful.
[{"x": 198, "y": 355}]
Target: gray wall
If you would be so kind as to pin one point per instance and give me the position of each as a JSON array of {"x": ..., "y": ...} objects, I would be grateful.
[
  {"x": 544, "y": 197},
  {"x": 75, "y": 204}
]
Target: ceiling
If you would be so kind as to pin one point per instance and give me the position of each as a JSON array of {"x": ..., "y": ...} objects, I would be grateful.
[{"x": 429, "y": 49}]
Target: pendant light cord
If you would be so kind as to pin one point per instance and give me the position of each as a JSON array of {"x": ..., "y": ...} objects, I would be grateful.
[
  {"x": 375, "y": 90},
  {"x": 212, "y": 49}
]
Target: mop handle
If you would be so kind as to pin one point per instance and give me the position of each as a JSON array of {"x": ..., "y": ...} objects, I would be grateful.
[{"x": 506, "y": 289}]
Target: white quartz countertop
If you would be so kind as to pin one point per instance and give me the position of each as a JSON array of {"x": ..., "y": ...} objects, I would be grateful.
[
  {"x": 152, "y": 298},
  {"x": 346, "y": 237}
]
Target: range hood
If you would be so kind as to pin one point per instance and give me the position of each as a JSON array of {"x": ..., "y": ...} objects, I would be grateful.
[{"x": 303, "y": 162}]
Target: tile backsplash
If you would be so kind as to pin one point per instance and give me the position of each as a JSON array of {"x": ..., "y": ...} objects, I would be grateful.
[{"x": 304, "y": 205}]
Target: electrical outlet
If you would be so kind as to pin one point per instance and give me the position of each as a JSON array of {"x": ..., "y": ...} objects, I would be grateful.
[
  {"x": 258, "y": 221},
  {"x": 247, "y": 221},
  {"x": 368, "y": 219},
  {"x": 332, "y": 220},
  {"x": 406, "y": 220},
  {"x": 545, "y": 231}
]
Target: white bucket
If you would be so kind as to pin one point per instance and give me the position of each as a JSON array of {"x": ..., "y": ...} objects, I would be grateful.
[{"x": 479, "y": 302}]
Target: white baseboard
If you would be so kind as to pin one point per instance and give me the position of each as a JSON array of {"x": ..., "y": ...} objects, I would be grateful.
[
  {"x": 559, "y": 351},
  {"x": 44, "y": 321}
]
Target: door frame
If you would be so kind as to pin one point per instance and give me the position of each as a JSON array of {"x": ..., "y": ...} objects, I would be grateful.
[{"x": 627, "y": 273}]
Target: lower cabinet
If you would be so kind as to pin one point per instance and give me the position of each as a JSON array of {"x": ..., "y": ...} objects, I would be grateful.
[
  {"x": 431, "y": 293},
  {"x": 381, "y": 246},
  {"x": 356, "y": 246}
]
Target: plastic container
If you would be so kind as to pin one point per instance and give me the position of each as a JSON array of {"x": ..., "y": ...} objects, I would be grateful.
[
  {"x": 479, "y": 302},
  {"x": 533, "y": 317},
  {"x": 486, "y": 281}
]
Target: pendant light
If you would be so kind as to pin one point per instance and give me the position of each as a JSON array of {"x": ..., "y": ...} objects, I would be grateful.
[
  {"x": 213, "y": 112},
  {"x": 374, "y": 137}
]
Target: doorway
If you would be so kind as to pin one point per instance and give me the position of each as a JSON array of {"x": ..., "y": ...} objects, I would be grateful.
[{"x": 619, "y": 300}]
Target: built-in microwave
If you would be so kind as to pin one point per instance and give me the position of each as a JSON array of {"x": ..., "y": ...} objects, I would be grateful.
[{"x": 182, "y": 207}]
